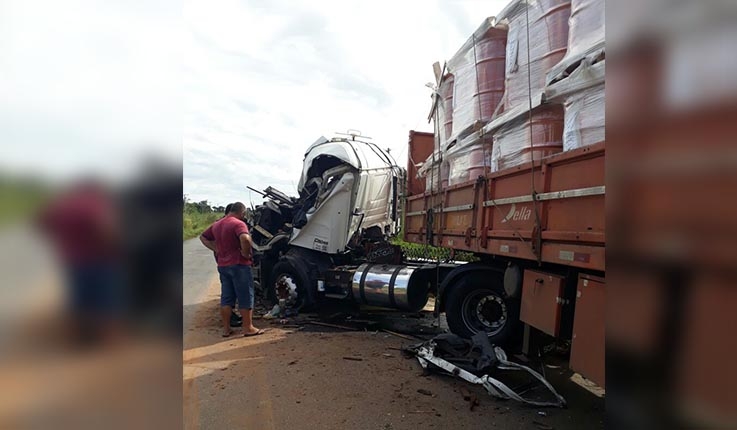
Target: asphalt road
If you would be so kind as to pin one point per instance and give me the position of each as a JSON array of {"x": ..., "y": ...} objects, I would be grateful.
[{"x": 200, "y": 272}]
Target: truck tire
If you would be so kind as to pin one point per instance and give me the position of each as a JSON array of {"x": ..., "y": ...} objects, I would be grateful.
[
  {"x": 478, "y": 303},
  {"x": 284, "y": 271}
]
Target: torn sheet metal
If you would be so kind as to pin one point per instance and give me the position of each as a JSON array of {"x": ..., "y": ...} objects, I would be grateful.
[{"x": 426, "y": 355}]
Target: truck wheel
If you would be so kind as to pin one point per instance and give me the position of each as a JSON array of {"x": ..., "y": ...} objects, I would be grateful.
[
  {"x": 476, "y": 304},
  {"x": 284, "y": 275}
]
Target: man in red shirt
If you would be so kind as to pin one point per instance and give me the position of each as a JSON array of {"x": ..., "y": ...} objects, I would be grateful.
[
  {"x": 82, "y": 225},
  {"x": 230, "y": 239}
]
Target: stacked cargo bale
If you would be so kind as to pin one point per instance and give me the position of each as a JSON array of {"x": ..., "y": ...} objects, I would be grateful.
[
  {"x": 578, "y": 80},
  {"x": 469, "y": 95},
  {"x": 478, "y": 79},
  {"x": 532, "y": 138},
  {"x": 551, "y": 99},
  {"x": 532, "y": 52},
  {"x": 538, "y": 40},
  {"x": 585, "y": 38},
  {"x": 434, "y": 170},
  {"x": 584, "y": 118},
  {"x": 468, "y": 159},
  {"x": 478, "y": 90}
]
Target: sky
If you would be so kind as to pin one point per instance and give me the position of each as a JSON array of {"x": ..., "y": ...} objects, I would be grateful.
[
  {"x": 235, "y": 91},
  {"x": 89, "y": 87},
  {"x": 265, "y": 79}
]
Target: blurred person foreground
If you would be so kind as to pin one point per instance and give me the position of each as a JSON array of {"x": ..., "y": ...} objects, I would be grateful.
[
  {"x": 93, "y": 284},
  {"x": 671, "y": 188}
]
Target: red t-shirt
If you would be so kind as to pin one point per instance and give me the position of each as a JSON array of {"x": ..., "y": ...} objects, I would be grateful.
[
  {"x": 226, "y": 234},
  {"x": 83, "y": 226}
]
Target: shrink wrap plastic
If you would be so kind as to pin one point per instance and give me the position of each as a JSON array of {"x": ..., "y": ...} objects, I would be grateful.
[
  {"x": 548, "y": 39},
  {"x": 477, "y": 71},
  {"x": 585, "y": 36},
  {"x": 584, "y": 118},
  {"x": 520, "y": 141},
  {"x": 435, "y": 172},
  {"x": 469, "y": 159}
]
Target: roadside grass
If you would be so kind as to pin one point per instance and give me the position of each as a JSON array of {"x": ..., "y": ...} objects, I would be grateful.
[
  {"x": 194, "y": 223},
  {"x": 20, "y": 200}
]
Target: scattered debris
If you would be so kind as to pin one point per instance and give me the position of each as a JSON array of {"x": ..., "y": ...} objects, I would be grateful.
[
  {"x": 424, "y": 391},
  {"x": 465, "y": 393},
  {"x": 342, "y": 327},
  {"x": 292, "y": 362},
  {"x": 273, "y": 313},
  {"x": 473, "y": 403},
  {"x": 353, "y": 358},
  {"x": 403, "y": 336},
  {"x": 386, "y": 354},
  {"x": 464, "y": 358},
  {"x": 543, "y": 426},
  {"x": 421, "y": 412},
  {"x": 472, "y": 400},
  {"x": 542, "y": 413}
]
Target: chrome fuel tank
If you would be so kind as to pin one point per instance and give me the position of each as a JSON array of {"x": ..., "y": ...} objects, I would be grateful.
[{"x": 391, "y": 286}]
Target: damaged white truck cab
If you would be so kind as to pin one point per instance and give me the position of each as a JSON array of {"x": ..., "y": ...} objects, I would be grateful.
[
  {"x": 349, "y": 185},
  {"x": 332, "y": 240}
]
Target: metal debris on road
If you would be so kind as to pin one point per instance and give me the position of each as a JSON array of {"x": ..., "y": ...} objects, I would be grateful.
[
  {"x": 483, "y": 357},
  {"x": 342, "y": 327},
  {"x": 273, "y": 313},
  {"x": 403, "y": 336}
]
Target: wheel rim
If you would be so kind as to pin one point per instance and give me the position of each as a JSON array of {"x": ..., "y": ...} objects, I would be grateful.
[
  {"x": 485, "y": 310},
  {"x": 286, "y": 282}
]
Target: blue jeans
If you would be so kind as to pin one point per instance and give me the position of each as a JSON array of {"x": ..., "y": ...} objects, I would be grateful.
[
  {"x": 236, "y": 282},
  {"x": 96, "y": 290}
]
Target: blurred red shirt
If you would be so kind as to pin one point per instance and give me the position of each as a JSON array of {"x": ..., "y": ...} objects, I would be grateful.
[
  {"x": 83, "y": 226},
  {"x": 226, "y": 233}
]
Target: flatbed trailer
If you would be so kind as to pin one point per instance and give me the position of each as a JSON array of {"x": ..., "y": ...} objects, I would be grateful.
[{"x": 538, "y": 233}]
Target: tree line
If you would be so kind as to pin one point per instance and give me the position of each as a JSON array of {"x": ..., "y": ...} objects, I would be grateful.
[{"x": 202, "y": 207}]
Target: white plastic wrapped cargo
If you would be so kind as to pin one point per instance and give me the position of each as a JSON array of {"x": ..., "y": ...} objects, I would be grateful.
[
  {"x": 548, "y": 39},
  {"x": 586, "y": 75},
  {"x": 445, "y": 127},
  {"x": 465, "y": 110},
  {"x": 585, "y": 36},
  {"x": 469, "y": 159},
  {"x": 478, "y": 78},
  {"x": 355, "y": 189},
  {"x": 584, "y": 118},
  {"x": 458, "y": 163},
  {"x": 524, "y": 140},
  {"x": 435, "y": 172}
]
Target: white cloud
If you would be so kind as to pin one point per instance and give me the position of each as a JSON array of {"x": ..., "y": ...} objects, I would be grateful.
[
  {"x": 88, "y": 85},
  {"x": 241, "y": 88},
  {"x": 265, "y": 79}
]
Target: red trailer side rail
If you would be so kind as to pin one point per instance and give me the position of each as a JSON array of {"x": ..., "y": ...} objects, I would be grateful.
[{"x": 559, "y": 220}]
